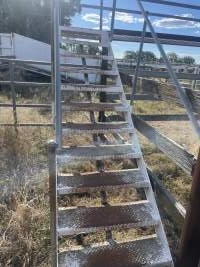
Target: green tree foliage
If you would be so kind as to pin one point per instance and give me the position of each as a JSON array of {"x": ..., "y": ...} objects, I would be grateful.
[
  {"x": 146, "y": 56},
  {"x": 188, "y": 60},
  {"x": 130, "y": 55},
  {"x": 32, "y": 18},
  {"x": 173, "y": 57}
]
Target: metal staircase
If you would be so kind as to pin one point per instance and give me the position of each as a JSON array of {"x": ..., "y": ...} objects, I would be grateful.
[{"x": 145, "y": 250}]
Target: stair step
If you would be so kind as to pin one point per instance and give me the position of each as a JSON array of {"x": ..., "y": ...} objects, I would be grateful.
[
  {"x": 96, "y": 128},
  {"x": 100, "y": 57},
  {"x": 80, "y": 33},
  {"x": 146, "y": 252},
  {"x": 89, "y": 182},
  {"x": 98, "y": 153},
  {"x": 87, "y": 70},
  {"x": 91, "y": 106},
  {"x": 91, "y": 88},
  {"x": 85, "y": 220}
]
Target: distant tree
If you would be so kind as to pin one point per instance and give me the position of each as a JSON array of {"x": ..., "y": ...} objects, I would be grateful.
[
  {"x": 148, "y": 56},
  {"x": 130, "y": 55},
  {"x": 173, "y": 57},
  {"x": 32, "y": 18},
  {"x": 188, "y": 60}
]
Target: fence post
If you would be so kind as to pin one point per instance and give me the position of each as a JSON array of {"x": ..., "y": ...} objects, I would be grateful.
[
  {"x": 13, "y": 93},
  {"x": 189, "y": 251},
  {"x": 52, "y": 146}
]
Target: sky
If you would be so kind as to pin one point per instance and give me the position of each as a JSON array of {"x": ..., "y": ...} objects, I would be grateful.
[{"x": 89, "y": 18}]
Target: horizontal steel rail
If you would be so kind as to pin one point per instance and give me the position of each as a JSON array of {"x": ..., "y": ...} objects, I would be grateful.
[
  {"x": 165, "y": 38},
  {"x": 25, "y": 83},
  {"x": 7, "y": 105},
  {"x": 27, "y": 125},
  {"x": 14, "y": 60},
  {"x": 135, "y": 12},
  {"x": 170, "y": 3}
]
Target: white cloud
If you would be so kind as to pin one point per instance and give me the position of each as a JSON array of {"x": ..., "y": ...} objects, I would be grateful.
[
  {"x": 126, "y": 18},
  {"x": 170, "y": 23},
  {"x": 119, "y": 16},
  {"x": 104, "y": 27},
  {"x": 94, "y": 18}
]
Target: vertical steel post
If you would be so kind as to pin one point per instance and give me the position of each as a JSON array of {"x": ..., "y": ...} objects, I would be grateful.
[
  {"x": 52, "y": 65},
  {"x": 113, "y": 18},
  {"x": 189, "y": 251},
  {"x": 53, "y": 201},
  {"x": 13, "y": 93},
  {"x": 138, "y": 62},
  {"x": 101, "y": 15},
  {"x": 196, "y": 71},
  {"x": 56, "y": 71},
  {"x": 180, "y": 91}
]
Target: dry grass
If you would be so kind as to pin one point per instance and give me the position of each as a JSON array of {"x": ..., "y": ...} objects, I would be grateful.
[
  {"x": 24, "y": 214},
  {"x": 24, "y": 211},
  {"x": 24, "y": 228}
]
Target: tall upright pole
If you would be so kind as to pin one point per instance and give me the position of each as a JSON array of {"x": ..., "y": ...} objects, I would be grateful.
[
  {"x": 56, "y": 69},
  {"x": 101, "y": 15},
  {"x": 138, "y": 62},
  {"x": 52, "y": 146},
  {"x": 113, "y": 18}
]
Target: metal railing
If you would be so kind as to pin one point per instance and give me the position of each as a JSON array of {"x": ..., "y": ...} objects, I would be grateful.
[
  {"x": 180, "y": 91},
  {"x": 12, "y": 83}
]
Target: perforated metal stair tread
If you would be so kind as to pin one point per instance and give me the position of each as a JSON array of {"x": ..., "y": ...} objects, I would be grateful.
[
  {"x": 72, "y": 128},
  {"x": 87, "y": 182},
  {"x": 91, "y": 106},
  {"x": 98, "y": 153},
  {"x": 100, "y": 57},
  {"x": 147, "y": 252},
  {"x": 92, "y": 88},
  {"x": 88, "y": 70},
  {"x": 84, "y": 220}
]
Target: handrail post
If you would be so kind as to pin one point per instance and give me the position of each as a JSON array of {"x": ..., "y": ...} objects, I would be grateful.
[
  {"x": 56, "y": 69},
  {"x": 101, "y": 15},
  {"x": 113, "y": 18},
  {"x": 52, "y": 146},
  {"x": 138, "y": 63},
  {"x": 189, "y": 253}
]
